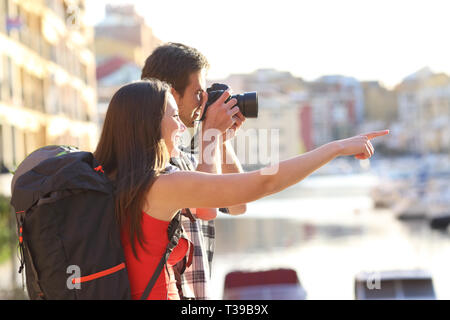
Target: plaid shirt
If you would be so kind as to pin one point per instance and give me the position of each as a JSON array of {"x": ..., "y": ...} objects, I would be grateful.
[{"x": 196, "y": 277}]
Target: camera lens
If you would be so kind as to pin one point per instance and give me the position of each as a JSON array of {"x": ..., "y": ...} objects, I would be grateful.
[{"x": 248, "y": 104}]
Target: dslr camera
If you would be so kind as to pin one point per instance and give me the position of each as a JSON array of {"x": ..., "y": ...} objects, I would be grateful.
[{"x": 247, "y": 102}]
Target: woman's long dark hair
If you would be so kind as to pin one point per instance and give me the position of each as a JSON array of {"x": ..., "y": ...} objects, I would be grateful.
[{"x": 131, "y": 146}]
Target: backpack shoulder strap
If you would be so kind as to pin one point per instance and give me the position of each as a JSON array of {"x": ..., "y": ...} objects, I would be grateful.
[{"x": 174, "y": 232}]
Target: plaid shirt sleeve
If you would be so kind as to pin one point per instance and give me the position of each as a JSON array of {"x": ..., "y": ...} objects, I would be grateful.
[{"x": 196, "y": 277}]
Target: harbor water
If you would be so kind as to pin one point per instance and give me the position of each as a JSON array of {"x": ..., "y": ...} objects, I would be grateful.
[{"x": 327, "y": 229}]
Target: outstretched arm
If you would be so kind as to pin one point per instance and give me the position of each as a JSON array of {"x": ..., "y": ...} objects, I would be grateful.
[{"x": 194, "y": 189}]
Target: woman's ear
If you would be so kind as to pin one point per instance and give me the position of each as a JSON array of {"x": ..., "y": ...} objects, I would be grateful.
[{"x": 176, "y": 95}]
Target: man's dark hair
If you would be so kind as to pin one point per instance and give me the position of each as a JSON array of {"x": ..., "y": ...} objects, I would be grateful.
[{"x": 174, "y": 63}]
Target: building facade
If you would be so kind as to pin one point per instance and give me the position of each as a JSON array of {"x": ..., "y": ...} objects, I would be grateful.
[
  {"x": 337, "y": 105},
  {"x": 123, "y": 41},
  {"x": 424, "y": 112},
  {"x": 277, "y": 133},
  {"x": 47, "y": 78}
]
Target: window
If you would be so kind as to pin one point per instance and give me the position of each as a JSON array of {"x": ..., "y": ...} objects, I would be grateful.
[
  {"x": 84, "y": 73},
  {"x": 9, "y": 76},
  {"x": 1, "y": 76},
  {"x": 4, "y": 15},
  {"x": 13, "y": 138},
  {"x": 5, "y": 4},
  {"x": 12, "y": 12},
  {"x": 41, "y": 99},
  {"x": 23, "y": 93},
  {"x": 1, "y": 145}
]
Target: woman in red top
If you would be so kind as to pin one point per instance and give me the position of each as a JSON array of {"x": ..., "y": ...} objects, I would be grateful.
[
  {"x": 139, "y": 134},
  {"x": 140, "y": 271}
]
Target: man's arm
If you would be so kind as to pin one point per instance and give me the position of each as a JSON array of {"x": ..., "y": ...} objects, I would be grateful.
[
  {"x": 219, "y": 118},
  {"x": 208, "y": 162},
  {"x": 231, "y": 164}
]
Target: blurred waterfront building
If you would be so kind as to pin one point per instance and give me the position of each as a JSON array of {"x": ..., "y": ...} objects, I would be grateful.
[
  {"x": 47, "y": 78},
  {"x": 380, "y": 112},
  {"x": 380, "y": 104},
  {"x": 280, "y": 99},
  {"x": 337, "y": 104},
  {"x": 424, "y": 112},
  {"x": 123, "y": 41}
]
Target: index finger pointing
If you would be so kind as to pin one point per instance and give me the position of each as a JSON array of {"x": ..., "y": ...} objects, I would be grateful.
[{"x": 375, "y": 134}]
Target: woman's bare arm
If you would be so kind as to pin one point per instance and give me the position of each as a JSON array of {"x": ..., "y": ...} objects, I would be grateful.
[{"x": 201, "y": 190}]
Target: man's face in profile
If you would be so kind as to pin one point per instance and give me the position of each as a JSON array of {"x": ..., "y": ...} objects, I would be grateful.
[{"x": 190, "y": 103}]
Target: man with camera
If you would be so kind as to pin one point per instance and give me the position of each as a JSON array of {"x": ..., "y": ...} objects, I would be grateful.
[{"x": 185, "y": 69}]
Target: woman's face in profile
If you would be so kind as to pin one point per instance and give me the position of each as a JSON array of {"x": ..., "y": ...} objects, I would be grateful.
[{"x": 171, "y": 126}]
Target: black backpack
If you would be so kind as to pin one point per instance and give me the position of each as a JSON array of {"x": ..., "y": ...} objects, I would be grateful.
[{"x": 69, "y": 239}]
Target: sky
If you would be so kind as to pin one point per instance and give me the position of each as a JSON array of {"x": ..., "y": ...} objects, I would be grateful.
[{"x": 384, "y": 40}]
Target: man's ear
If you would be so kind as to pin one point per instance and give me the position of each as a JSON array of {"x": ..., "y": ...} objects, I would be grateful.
[{"x": 176, "y": 95}]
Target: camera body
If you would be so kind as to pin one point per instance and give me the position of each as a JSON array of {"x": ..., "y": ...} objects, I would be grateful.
[{"x": 247, "y": 102}]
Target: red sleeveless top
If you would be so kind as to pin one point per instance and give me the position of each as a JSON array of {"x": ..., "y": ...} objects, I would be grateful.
[{"x": 140, "y": 271}]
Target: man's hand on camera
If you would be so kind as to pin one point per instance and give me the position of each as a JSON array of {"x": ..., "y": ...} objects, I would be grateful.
[
  {"x": 239, "y": 119},
  {"x": 221, "y": 115}
]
